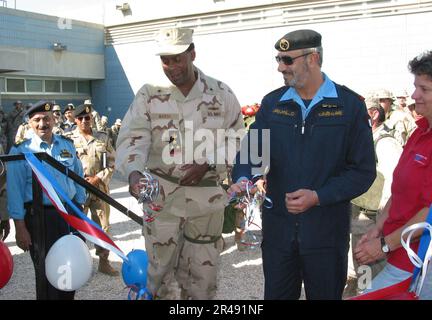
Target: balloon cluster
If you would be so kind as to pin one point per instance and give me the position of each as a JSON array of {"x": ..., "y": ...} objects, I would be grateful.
[
  {"x": 149, "y": 192},
  {"x": 251, "y": 202}
]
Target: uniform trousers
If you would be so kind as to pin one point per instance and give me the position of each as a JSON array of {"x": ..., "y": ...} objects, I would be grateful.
[
  {"x": 322, "y": 270},
  {"x": 55, "y": 228}
]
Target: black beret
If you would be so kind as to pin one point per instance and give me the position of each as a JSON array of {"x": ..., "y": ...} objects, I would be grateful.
[
  {"x": 69, "y": 107},
  {"x": 299, "y": 39},
  {"x": 41, "y": 106},
  {"x": 82, "y": 109}
]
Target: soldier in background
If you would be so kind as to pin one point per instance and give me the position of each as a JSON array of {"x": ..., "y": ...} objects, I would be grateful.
[
  {"x": 396, "y": 119},
  {"x": 97, "y": 157},
  {"x": 115, "y": 128},
  {"x": 24, "y": 130},
  {"x": 58, "y": 120},
  {"x": 184, "y": 241},
  {"x": 14, "y": 119},
  {"x": 3, "y": 130},
  {"x": 96, "y": 119},
  {"x": 4, "y": 215},
  {"x": 69, "y": 122}
]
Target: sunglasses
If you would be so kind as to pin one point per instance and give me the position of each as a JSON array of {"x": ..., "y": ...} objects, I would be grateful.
[
  {"x": 87, "y": 118},
  {"x": 287, "y": 60}
]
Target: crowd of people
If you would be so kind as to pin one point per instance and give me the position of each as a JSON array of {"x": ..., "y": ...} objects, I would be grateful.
[{"x": 341, "y": 166}]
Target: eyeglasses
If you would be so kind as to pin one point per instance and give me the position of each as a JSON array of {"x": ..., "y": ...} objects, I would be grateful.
[
  {"x": 87, "y": 118},
  {"x": 287, "y": 60}
]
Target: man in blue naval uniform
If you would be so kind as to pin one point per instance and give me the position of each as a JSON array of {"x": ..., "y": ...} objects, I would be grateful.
[
  {"x": 19, "y": 188},
  {"x": 321, "y": 157}
]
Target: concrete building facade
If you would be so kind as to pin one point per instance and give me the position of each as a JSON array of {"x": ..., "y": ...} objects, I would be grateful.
[{"x": 367, "y": 45}]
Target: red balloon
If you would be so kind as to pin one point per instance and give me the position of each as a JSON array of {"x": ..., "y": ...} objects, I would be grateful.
[{"x": 6, "y": 265}]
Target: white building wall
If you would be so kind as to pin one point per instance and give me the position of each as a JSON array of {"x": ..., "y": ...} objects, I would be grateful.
[{"x": 362, "y": 54}]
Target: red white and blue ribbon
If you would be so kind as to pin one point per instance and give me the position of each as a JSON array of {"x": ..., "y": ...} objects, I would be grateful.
[{"x": 88, "y": 228}]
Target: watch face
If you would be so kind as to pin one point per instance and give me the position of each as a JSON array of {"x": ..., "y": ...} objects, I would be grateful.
[{"x": 385, "y": 248}]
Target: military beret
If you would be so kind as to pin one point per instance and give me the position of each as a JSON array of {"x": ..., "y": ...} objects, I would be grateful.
[
  {"x": 69, "y": 107},
  {"x": 299, "y": 39},
  {"x": 81, "y": 110},
  {"x": 41, "y": 106}
]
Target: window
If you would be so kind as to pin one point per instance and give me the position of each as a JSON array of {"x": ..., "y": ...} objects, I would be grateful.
[
  {"x": 2, "y": 85},
  {"x": 68, "y": 86},
  {"x": 34, "y": 85},
  {"x": 52, "y": 85},
  {"x": 15, "y": 85},
  {"x": 83, "y": 86}
]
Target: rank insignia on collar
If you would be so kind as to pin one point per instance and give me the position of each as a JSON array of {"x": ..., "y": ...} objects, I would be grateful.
[{"x": 65, "y": 154}]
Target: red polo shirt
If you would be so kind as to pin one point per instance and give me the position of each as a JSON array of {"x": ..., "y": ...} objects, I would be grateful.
[{"x": 411, "y": 188}]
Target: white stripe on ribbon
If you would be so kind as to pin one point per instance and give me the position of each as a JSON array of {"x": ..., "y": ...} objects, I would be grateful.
[{"x": 49, "y": 186}]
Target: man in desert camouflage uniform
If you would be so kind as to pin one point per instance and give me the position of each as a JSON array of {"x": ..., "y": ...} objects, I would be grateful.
[
  {"x": 184, "y": 241},
  {"x": 400, "y": 124},
  {"x": 97, "y": 157},
  {"x": 14, "y": 119}
]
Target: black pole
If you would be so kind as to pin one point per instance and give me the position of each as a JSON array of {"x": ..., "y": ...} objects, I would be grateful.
[
  {"x": 38, "y": 240},
  {"x": 57, "y": 165}
]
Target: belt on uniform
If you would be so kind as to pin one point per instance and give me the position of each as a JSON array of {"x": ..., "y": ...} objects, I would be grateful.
[
  {"x": 368, "y": 212},
  {"x": 211, "y": 240},
  {"x": 202, "y": 183}
]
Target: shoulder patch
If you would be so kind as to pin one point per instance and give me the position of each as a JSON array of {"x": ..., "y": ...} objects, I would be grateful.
[
  {"x": 361, "y": 98},
  {"x": 65, "y": 137},
  {"x": 16, "y": 144}
]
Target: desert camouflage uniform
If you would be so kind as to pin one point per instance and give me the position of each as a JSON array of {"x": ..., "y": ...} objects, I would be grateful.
[
  {"x": 22, "y": 132},
  {"x": 401, "y": 125},
  {"x": 91, "y": 153},
  {"x": 186, "y": 236}
]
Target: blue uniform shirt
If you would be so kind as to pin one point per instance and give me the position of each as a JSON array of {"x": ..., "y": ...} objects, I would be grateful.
[
  {"x": 326, "y": 90},
  {"x": 19, "y": 173}
]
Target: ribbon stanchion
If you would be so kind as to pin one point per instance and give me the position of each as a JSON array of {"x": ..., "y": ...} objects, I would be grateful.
[{"x": 133, "y": 269}]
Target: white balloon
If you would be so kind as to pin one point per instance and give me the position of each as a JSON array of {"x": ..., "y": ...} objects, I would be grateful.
[{"x": 68, "y": 264}]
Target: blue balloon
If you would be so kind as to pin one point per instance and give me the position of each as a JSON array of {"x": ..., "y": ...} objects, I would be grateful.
[{"x": 134, "y": 270}]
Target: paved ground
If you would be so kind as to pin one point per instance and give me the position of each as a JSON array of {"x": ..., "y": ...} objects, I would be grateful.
[{"x": 240, "y": 275}]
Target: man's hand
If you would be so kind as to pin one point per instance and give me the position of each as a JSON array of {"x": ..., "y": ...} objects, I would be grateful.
[
  {"x": 240, "y": 188},
  {"x": 93, "y": 180},
  {"x": 369, "y": 251},
  {"x": 193, "y": 174},
  {"x": 134, "y": 185},
  {"x": 301, "y": 200},
  {"x": 22, "y": 235},
  {"x": 373, "y": 233},
  {"x": 4, "y": 229}
]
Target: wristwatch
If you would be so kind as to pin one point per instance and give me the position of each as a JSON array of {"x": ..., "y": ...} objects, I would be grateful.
[{"x": 384, "y": 246}]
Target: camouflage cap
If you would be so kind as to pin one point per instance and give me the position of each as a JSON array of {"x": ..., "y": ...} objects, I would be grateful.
[
  {"x": 372, "y": 102},
  {"x": 173, "y": 41},
  {"x": 82, "y": 109},
  {"x": 41, "y": 106},
  {"x": 56, "y": 107},
  {"x": 298, "y": 39}
]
